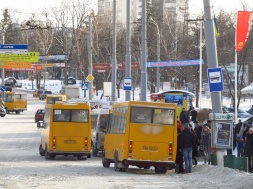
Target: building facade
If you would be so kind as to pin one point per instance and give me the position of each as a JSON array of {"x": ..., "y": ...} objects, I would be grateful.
[{"x": 177, "y": 9}]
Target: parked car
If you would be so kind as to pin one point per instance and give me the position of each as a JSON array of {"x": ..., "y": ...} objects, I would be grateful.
[
  {"x": 39, "y": 115},
  {"x": 240, "y": 112},
  {"x": 71, "y": 81},
  {"x": 10, "y": 80},
  {"x": 2, "y": 112},
  {"x": 37, "y": 92},
  {"x": 18, "y": 84},
  {"x": 44, "y": 94},
  {"x": 247, "y": 119},
  {"x": 225, "y": 110},
  {"x": 250, "y": 111},
  {"x": 8, "y": 87}
]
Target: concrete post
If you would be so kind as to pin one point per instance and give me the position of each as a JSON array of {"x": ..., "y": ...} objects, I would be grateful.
[
  {"x": 114, "y": 61},
  {"x": 128, "y": 49},
  {"x": 143, "y": 55},
  {"x": 212, "y": 63}
]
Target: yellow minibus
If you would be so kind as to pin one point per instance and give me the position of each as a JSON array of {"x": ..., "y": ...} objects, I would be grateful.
[
  {"x": 66, "y": 130},
  {"x": 141, "y": 134},
  {"x": 52, "y": 99},
  {"x": 14, "y": 101}
]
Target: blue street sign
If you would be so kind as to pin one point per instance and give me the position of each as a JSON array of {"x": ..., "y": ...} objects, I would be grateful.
[
  {"x": 85, "y": 86},
  {"x": 215, "y": 79},
  {"x": 127, "y": 84},
  {"x": 3, "y": 88},
  {"x": 13, "y": 46}
]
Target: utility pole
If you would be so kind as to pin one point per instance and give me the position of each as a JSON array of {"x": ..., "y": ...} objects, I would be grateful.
[
  {"x": 90, "y": 57},
  {"x": 65, "y": 60},
  {"x": 114, "y": 61},
  {"x": 158, "y": 54},
  {"x": 212, "y": 63},
  {"x": 200, "y": 56},
  {"x": 128, "y": 50},
  {"x": 143, "y": 55},
  {"x": 3, "y": 76}
]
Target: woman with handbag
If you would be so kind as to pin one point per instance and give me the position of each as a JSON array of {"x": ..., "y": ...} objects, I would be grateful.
[{"x": 205, "y": 144}]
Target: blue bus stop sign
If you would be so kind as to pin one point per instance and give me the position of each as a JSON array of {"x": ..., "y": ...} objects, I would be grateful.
[{"x": 215, "y": 79}]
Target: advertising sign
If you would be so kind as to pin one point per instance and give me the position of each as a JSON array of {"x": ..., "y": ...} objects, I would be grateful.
[
  {"x": 29, "y": 57},
  {"x": 13, "y": 49},
  {"x": 222, "y": 130},
  {"x": 174, "y": 98},
  {"x": 171, "y": 63}
]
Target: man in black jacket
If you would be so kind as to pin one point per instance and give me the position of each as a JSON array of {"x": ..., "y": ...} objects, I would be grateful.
[{"x": 186, "y": 143}]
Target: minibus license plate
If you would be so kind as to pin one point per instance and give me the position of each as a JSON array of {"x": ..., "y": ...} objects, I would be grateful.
[{"x": 69, "y": 141}]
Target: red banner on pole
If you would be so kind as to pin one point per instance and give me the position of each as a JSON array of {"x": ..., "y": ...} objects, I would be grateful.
[{"x": 244, "y": 20}]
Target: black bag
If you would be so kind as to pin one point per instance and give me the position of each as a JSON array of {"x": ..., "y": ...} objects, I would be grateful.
[{"x": 201, "y": 153}]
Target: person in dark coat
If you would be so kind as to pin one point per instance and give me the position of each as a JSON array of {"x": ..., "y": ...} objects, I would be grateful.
[
  {"x": 186, "y": 143},
  {"x": 179, "y": 158},
  {"x": 248, "y": 149},
  {"x": 194, "y": 114},
  {"x": 206, "y": 143},
  {"x": 245, "y": 132},
  {"x": 184, "y": 117},
  {"x": 195, "y": 147},
  {"x": 238, "y": 127},
  {"x": 198, "y": 129}
]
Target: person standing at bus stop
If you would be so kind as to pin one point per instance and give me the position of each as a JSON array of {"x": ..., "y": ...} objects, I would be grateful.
[
  {"x": 248, "y": 148},
  {"x": 184, "y": 117},
  {"x": 194, "y": 115},
  {"x": 186, "y": 143}
]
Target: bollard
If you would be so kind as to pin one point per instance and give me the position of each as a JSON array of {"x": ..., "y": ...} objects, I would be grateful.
[
  {"x": 213, "y": 159},
  {"x": 229, "y": 161},
  {"x": 241, "y": 163}
]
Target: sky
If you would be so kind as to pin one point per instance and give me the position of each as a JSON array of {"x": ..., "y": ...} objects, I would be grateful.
[
  {"x": 27, "y": 7},
  {"x": 196, "y": 6}
]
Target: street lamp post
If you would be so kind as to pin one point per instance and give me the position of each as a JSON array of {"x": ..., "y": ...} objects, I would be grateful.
[
  {"x": 144, "y": 55},
  {"x": 158, "y": 54},
  {"x": 3, "y": 76},
  {"x": 200, "y": 57}
]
